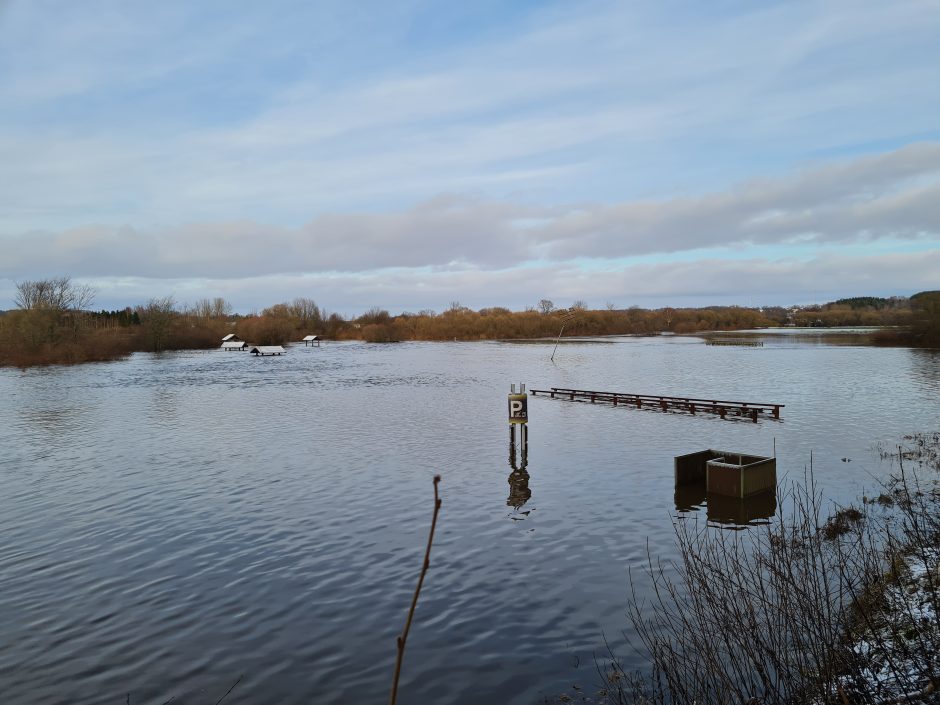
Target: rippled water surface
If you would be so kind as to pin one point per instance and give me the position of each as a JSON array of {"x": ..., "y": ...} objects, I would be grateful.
[{"x": 171, "y": 522}]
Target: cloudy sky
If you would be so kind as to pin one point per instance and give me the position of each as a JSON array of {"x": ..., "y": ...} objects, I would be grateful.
[{"x": 409, "y": 154}]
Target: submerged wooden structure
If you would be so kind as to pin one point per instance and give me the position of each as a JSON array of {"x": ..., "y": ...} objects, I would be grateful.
[
  {"x": 234, "y": 345},
  {"x": 729, "y": 474},
  {"x": 267, "y": 350},
  {"x": 745, "y": 342},
  {"x": 722, "y": 408}
]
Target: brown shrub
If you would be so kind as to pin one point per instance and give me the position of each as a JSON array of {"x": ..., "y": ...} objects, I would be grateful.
[{"x": 265, "y": 330}]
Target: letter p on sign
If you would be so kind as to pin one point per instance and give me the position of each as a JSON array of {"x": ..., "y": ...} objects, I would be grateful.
[{"x": 518, "y": 408}]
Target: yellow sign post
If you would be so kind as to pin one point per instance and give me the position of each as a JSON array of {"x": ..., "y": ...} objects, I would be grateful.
[
  {"x": 519, "y": 491},
  {"x": 518, "y": 405}
]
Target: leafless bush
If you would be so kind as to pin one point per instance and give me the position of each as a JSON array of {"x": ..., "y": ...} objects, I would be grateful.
[{"x": 800, "y": 611}]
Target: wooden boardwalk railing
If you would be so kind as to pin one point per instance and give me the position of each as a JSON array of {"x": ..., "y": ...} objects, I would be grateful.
[
  {"x": 735, "y": 341},
  {"x": 692, "y": 405}
]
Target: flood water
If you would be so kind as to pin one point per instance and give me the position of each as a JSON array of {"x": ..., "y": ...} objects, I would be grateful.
[{"x": 171, "y": 523}]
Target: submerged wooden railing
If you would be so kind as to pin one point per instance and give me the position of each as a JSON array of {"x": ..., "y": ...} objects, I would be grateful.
[
  {"x": 735, "y": 341},
  {"x": 721, "y": 407}
]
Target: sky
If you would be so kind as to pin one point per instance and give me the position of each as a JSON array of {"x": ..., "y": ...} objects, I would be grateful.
[{"x": 412, "y": 154}]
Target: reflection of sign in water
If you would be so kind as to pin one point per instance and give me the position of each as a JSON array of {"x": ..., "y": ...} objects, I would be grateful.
[
  {"x": 518, "y": 408},
  {"x": 519, "y": 492}
]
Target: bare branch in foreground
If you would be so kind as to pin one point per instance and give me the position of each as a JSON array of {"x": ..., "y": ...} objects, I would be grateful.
[{"x": 414, "y": 600}]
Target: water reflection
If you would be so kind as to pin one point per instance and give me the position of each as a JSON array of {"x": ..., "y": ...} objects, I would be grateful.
[
  {"x": 689, "y": 497},
  {"x": 165, "y": 407},
  {"x": 927, "y": 367},
  {"x": 727, "y": 512},
  {"x": 63, "y": 419},
  {"x": 734, "y": 512},
  {"x": 519, "y": 492}
]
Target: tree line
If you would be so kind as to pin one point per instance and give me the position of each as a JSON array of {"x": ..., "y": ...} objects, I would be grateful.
[{"x": 54, "y": 323}]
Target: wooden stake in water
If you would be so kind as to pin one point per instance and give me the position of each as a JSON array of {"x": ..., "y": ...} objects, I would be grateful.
[{"x": 566, "y": 319}]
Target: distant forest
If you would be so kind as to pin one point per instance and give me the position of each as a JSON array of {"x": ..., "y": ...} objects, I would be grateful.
[{"x": 54, "y": 322}]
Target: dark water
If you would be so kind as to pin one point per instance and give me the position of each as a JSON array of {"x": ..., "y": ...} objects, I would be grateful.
[{"x": 170, "y": 523}]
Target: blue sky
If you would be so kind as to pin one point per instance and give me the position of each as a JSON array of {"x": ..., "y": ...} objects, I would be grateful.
[{"x": 411, "y": 154}]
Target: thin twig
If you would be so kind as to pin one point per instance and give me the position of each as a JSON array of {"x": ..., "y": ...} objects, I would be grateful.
[
  {"x": 842, "y": 695},
  {"x": 558, "y": 339},
  {"x": 414, "y": 600},
  {"x": 230, "y": 689}
]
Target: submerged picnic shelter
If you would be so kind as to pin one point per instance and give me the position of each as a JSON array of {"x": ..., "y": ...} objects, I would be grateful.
[{"x": 267, "y": 350}]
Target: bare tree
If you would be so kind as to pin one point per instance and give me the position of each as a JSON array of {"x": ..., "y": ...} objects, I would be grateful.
[
  {"x": 158, "y": 315},
  {"x": 214, "y": 308},
  {"x": 374, "y": 315},
  {"x": 221, "y": 308},
  {"x": 307, "y": 311},
  {"x": 201, "y": 309},
  {"x": 277, "y": 311},
  {"x": 56, "y": 294},
  {"x": 546, "y": 306}
]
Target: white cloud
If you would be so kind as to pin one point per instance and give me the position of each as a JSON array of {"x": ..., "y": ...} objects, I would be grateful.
[
  {"x": 170, "y": 143},
  {"x": 700, "y": 282},
  {"x": 894, "y": 195},
  {"x": 175, "y": 115}
]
